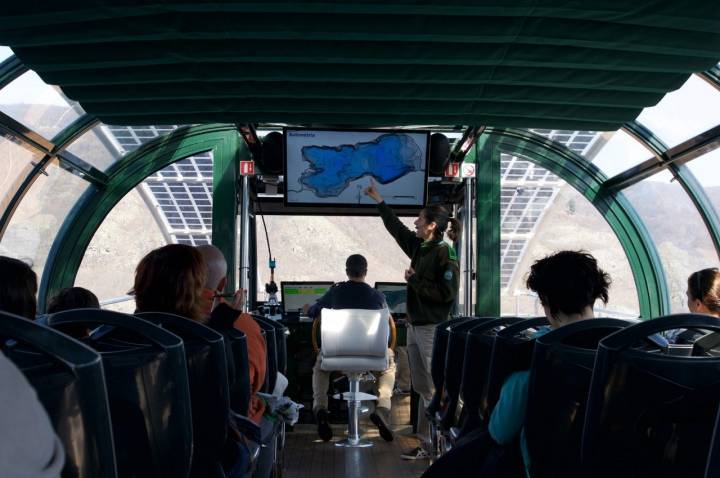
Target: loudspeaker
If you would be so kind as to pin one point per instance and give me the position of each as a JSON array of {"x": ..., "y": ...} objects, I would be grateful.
[
  {"x": 439, "y": 154},
  {"x": 271, "y": 160}
]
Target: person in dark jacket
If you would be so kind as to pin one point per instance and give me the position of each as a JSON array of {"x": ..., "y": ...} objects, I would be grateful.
[
  {"x": 354, "y": 293},
  {"x": 18, "y": 288},
  {"x": 432, "y": 286}
]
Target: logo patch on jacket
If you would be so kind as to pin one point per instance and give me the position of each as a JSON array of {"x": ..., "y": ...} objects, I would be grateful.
[{"x": 448, "y": 274}]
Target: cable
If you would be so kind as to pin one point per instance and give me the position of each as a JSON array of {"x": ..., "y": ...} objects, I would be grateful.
[{"x": 267, "y": 237}]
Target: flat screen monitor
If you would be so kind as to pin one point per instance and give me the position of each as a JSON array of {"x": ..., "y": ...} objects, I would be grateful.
[
  {"x": 296, "y": 294},
  {"x": 395, "y": 295},
  {"x": 332, "y": 167}
]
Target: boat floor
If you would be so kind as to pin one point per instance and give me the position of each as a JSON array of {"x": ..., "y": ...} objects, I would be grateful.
[{"x": 306, "y": 455}]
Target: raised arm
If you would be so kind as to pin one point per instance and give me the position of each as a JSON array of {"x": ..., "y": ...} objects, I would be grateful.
[
  {"x": 404, "y": 237},
  {"x": 323, "y": 302}
]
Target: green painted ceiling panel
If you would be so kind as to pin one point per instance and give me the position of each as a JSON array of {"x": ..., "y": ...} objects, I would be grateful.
[
  {"x": 482, "y": 31},
  {"x": 207, "y": 74},
  {"x": 528, "y": 63},
  {"x": 355, "y": 119},
  {"x": 680, "y": 15},
  {"x": 350, "y": 107},
  {"x": 311, "y": 53},
  {"x": 399, "y": 91}
]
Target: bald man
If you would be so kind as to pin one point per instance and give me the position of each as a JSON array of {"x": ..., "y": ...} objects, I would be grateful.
[{"x": 224, "y": 315}]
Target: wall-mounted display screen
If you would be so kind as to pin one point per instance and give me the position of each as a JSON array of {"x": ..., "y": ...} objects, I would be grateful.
[
  {"x": 395, "y": 295},
  {"x": 332, "y": 167}
]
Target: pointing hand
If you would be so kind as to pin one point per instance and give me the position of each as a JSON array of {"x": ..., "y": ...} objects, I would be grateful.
[{"x": 372, "y": 191}]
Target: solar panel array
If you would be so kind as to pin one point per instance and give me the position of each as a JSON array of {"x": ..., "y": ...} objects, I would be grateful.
[
  {"x": 527, "y": 190},
  {"x": 182, "y": 192}
]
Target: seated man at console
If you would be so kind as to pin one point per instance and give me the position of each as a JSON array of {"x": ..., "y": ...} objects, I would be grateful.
[{"x": 352, "y": 294}]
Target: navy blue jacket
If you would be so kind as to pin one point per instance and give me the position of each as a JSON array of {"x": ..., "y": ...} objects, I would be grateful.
[{"x": 349, "y": 295}]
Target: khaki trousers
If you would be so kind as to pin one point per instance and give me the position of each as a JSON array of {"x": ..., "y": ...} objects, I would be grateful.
[
  {"x": 419, "y": 345},
  {"x": 385, "y": 383}
]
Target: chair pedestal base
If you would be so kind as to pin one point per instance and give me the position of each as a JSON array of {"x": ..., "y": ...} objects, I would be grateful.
[
  {"x": 354, "y": 399},
  {"x": 348, "y": 443}
]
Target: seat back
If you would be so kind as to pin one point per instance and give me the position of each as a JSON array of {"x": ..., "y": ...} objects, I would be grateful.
[
  {"x": 281, "y": 334},
  {"x": 713, "y": 463},
  {"x": 147, "y": 384},
  {"x": 208, "y": 381},
  {"x": 238, "y": 367},
  {"x": 512, "y": 351},
  {"x": 454, "y": 358},
  {"x": 559, "y": 383},
  {"x": 354, "y": 340},
  {"x": 476, "y": 367},
  {"x": 272, "y": 338},
  {"x": 70, "y": 383},
  {"x": 437, "y": 361},
  {"x": 654, "y": 414},
  {"x": 268, "y": 332}
]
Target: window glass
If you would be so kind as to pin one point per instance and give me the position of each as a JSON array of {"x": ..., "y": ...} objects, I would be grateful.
[
  {"x": 15, "y": 165},
  {"x": 684, "y": 113},
  {"x": 5, "y": 53},
  {"x": 707, "y": 171},
  {"x": 543, "y": 216},
  {"x": 128, "y": 233},
  {"x": 676, "y": 228},
  {"x": 314, "y": 248},
  {"x": 620, "y": 152},
  {"x": 37, "y": 105},
  {"x": 173, "y": 205},
  {"x": 96, "y": 148},
  {"x": 36, "y": 222}
]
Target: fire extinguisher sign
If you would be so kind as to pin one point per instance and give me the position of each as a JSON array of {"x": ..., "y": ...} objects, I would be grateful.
[
  {"x": 452, "y": 170},
  {"x": 247, "y": 168}
]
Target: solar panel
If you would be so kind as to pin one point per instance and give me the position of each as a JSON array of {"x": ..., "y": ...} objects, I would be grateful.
[{"x": 181, "y": 192}]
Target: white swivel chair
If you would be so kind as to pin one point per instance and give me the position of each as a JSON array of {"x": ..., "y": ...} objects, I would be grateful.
[{"x": 354, "y": 341}]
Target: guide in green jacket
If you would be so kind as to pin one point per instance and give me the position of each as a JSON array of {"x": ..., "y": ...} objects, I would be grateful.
[
  {"x": 432, "y": 286},
  {"x": 433, "y": 277}
]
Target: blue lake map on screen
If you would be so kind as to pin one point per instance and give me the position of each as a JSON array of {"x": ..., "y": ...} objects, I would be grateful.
[{"x": 334, "y": 167}]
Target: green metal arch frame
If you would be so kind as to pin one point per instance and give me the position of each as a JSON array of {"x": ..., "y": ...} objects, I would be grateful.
[
  {"x": 587, "y": 179},
  {"x": 11, "y": 69},
  {"x": 87, "y": 215},
  {"x": 685, "y": 177}
]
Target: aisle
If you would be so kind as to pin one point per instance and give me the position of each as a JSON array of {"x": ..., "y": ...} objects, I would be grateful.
[{"x": 308, "y": 456}]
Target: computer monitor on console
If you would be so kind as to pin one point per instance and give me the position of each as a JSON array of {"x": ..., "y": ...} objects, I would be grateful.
[
  {"x": 295, "y": 294},
  {"x": 395, "y": 295}
]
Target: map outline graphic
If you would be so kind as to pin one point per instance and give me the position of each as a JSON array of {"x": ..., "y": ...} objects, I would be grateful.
[{"x": 322, "y": 169}]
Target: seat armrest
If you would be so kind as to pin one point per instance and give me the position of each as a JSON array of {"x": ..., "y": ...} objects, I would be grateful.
[
  {"x": 247, "y": 427},
  {"x": 454, "y": 435}
]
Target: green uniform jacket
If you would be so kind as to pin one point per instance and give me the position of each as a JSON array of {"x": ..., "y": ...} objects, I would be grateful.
[{"x": 433, "y": 288}]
